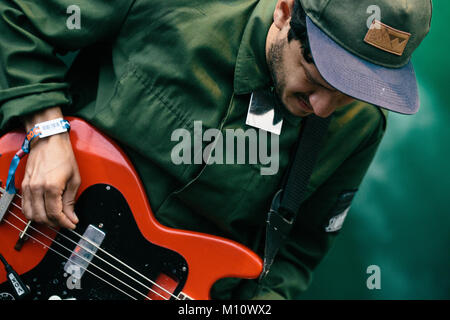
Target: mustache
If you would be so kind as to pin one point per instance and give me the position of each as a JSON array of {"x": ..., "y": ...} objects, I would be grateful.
[{"x": 304, "y": 97}]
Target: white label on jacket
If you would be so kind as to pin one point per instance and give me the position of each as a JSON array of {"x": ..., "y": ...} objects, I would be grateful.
[
  {"x": 262, "y": 113},
  {"x": 336, "y": 222}
]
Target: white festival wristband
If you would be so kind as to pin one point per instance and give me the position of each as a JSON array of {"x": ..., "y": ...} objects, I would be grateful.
[
  {"x": 49, "y": 128},
  {"x": 41, "y": 130}
]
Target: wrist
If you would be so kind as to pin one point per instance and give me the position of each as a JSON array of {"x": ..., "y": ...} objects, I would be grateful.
[
  {"x": 44, "y": 130},
  {"x": 47, "y": 114},
  {"x": 57, "y": 139}
]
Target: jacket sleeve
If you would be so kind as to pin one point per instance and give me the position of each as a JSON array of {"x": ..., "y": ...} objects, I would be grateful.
[{"x": 33, "y": 33}]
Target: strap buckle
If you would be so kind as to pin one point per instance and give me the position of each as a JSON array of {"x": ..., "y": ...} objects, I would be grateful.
[{"x": 278, "y": 226}]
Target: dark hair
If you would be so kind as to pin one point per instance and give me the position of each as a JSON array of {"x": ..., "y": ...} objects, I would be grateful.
[{"x": 298, "y": 30}]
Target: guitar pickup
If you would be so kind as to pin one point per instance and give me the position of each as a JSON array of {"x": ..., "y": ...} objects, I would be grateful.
[
  {"x": 83, "y": 253},
  {"x": 5, "y": 202}
]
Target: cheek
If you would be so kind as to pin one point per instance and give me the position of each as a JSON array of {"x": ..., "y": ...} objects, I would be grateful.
[{"x": 295, "y": 82}]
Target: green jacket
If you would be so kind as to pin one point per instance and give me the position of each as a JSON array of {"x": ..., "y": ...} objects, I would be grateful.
[{"x": 149, "y": 67}]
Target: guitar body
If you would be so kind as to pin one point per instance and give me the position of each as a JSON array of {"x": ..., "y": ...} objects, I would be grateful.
[{"x": 118, "y": 250}]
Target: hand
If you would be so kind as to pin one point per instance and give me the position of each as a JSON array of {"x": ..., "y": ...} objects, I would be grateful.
[{"x": 51, "y": 178}]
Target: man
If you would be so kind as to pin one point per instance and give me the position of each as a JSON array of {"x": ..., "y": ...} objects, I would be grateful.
[{"x": 148, "y": 68}]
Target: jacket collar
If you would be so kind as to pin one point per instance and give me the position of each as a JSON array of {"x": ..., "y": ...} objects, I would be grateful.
[{"x": 251, "y": 72}]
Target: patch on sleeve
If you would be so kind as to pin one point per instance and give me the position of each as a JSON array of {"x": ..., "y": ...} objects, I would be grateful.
[{"x": 340, "y": 210}]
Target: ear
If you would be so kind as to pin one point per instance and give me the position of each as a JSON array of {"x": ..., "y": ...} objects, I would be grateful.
[{"x": 282, "y": 13}]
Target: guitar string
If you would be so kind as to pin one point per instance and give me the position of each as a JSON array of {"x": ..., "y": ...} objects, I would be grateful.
[
  {"x": 110, "y": 255},
  {"x": 64, "y": 257},
  {"x": 96, "y": 256},
  {"x": 91, "y": 263},
  {"x": 122, "y": 263}
]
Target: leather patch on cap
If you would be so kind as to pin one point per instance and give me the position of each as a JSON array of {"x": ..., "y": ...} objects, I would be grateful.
[{"x": 387, "y": 38}]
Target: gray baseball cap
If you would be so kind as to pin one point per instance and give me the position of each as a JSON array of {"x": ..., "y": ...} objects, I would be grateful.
[{"x": 363, "y": 48}]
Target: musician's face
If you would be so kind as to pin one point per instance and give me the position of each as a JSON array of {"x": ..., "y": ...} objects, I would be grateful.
[{"x": 298, "y": 83}]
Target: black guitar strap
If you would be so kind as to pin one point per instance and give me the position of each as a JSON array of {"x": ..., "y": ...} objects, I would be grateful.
[{"x": 287, "y": 201}]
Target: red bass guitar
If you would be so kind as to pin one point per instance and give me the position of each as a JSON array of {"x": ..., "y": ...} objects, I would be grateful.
[{"x": 118, "y": 249}]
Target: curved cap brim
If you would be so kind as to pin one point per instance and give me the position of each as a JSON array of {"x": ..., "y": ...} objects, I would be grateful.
[{"x": 388, "y": 88}]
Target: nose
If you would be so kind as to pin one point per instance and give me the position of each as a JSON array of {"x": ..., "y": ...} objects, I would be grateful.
[{"x": 322, "y": 102}]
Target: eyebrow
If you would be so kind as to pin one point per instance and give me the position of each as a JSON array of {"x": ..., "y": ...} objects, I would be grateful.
[{"x": 310, "y": 78}]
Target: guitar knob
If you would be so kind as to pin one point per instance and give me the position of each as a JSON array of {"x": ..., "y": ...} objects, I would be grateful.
[{"x": 6, "y": 296}]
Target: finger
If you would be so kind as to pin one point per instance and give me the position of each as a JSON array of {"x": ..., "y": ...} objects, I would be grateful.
[
  {"x": 26, "y": 199},
  {"x": 39, "y": 214},
  {"x": 53, "y": 207},
  {"x": 68, "y": 199}
]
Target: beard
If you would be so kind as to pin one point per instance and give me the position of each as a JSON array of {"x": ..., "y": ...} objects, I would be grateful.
[
  {"x": 277, "y": 72},
  {"x": 277, "y": 69}
]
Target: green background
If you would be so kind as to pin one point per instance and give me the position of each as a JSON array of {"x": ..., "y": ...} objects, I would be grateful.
[{"x": 400, "y": 218}]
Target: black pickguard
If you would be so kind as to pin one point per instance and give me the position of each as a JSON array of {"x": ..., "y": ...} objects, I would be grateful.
[{"x": 104, "y": 207}]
